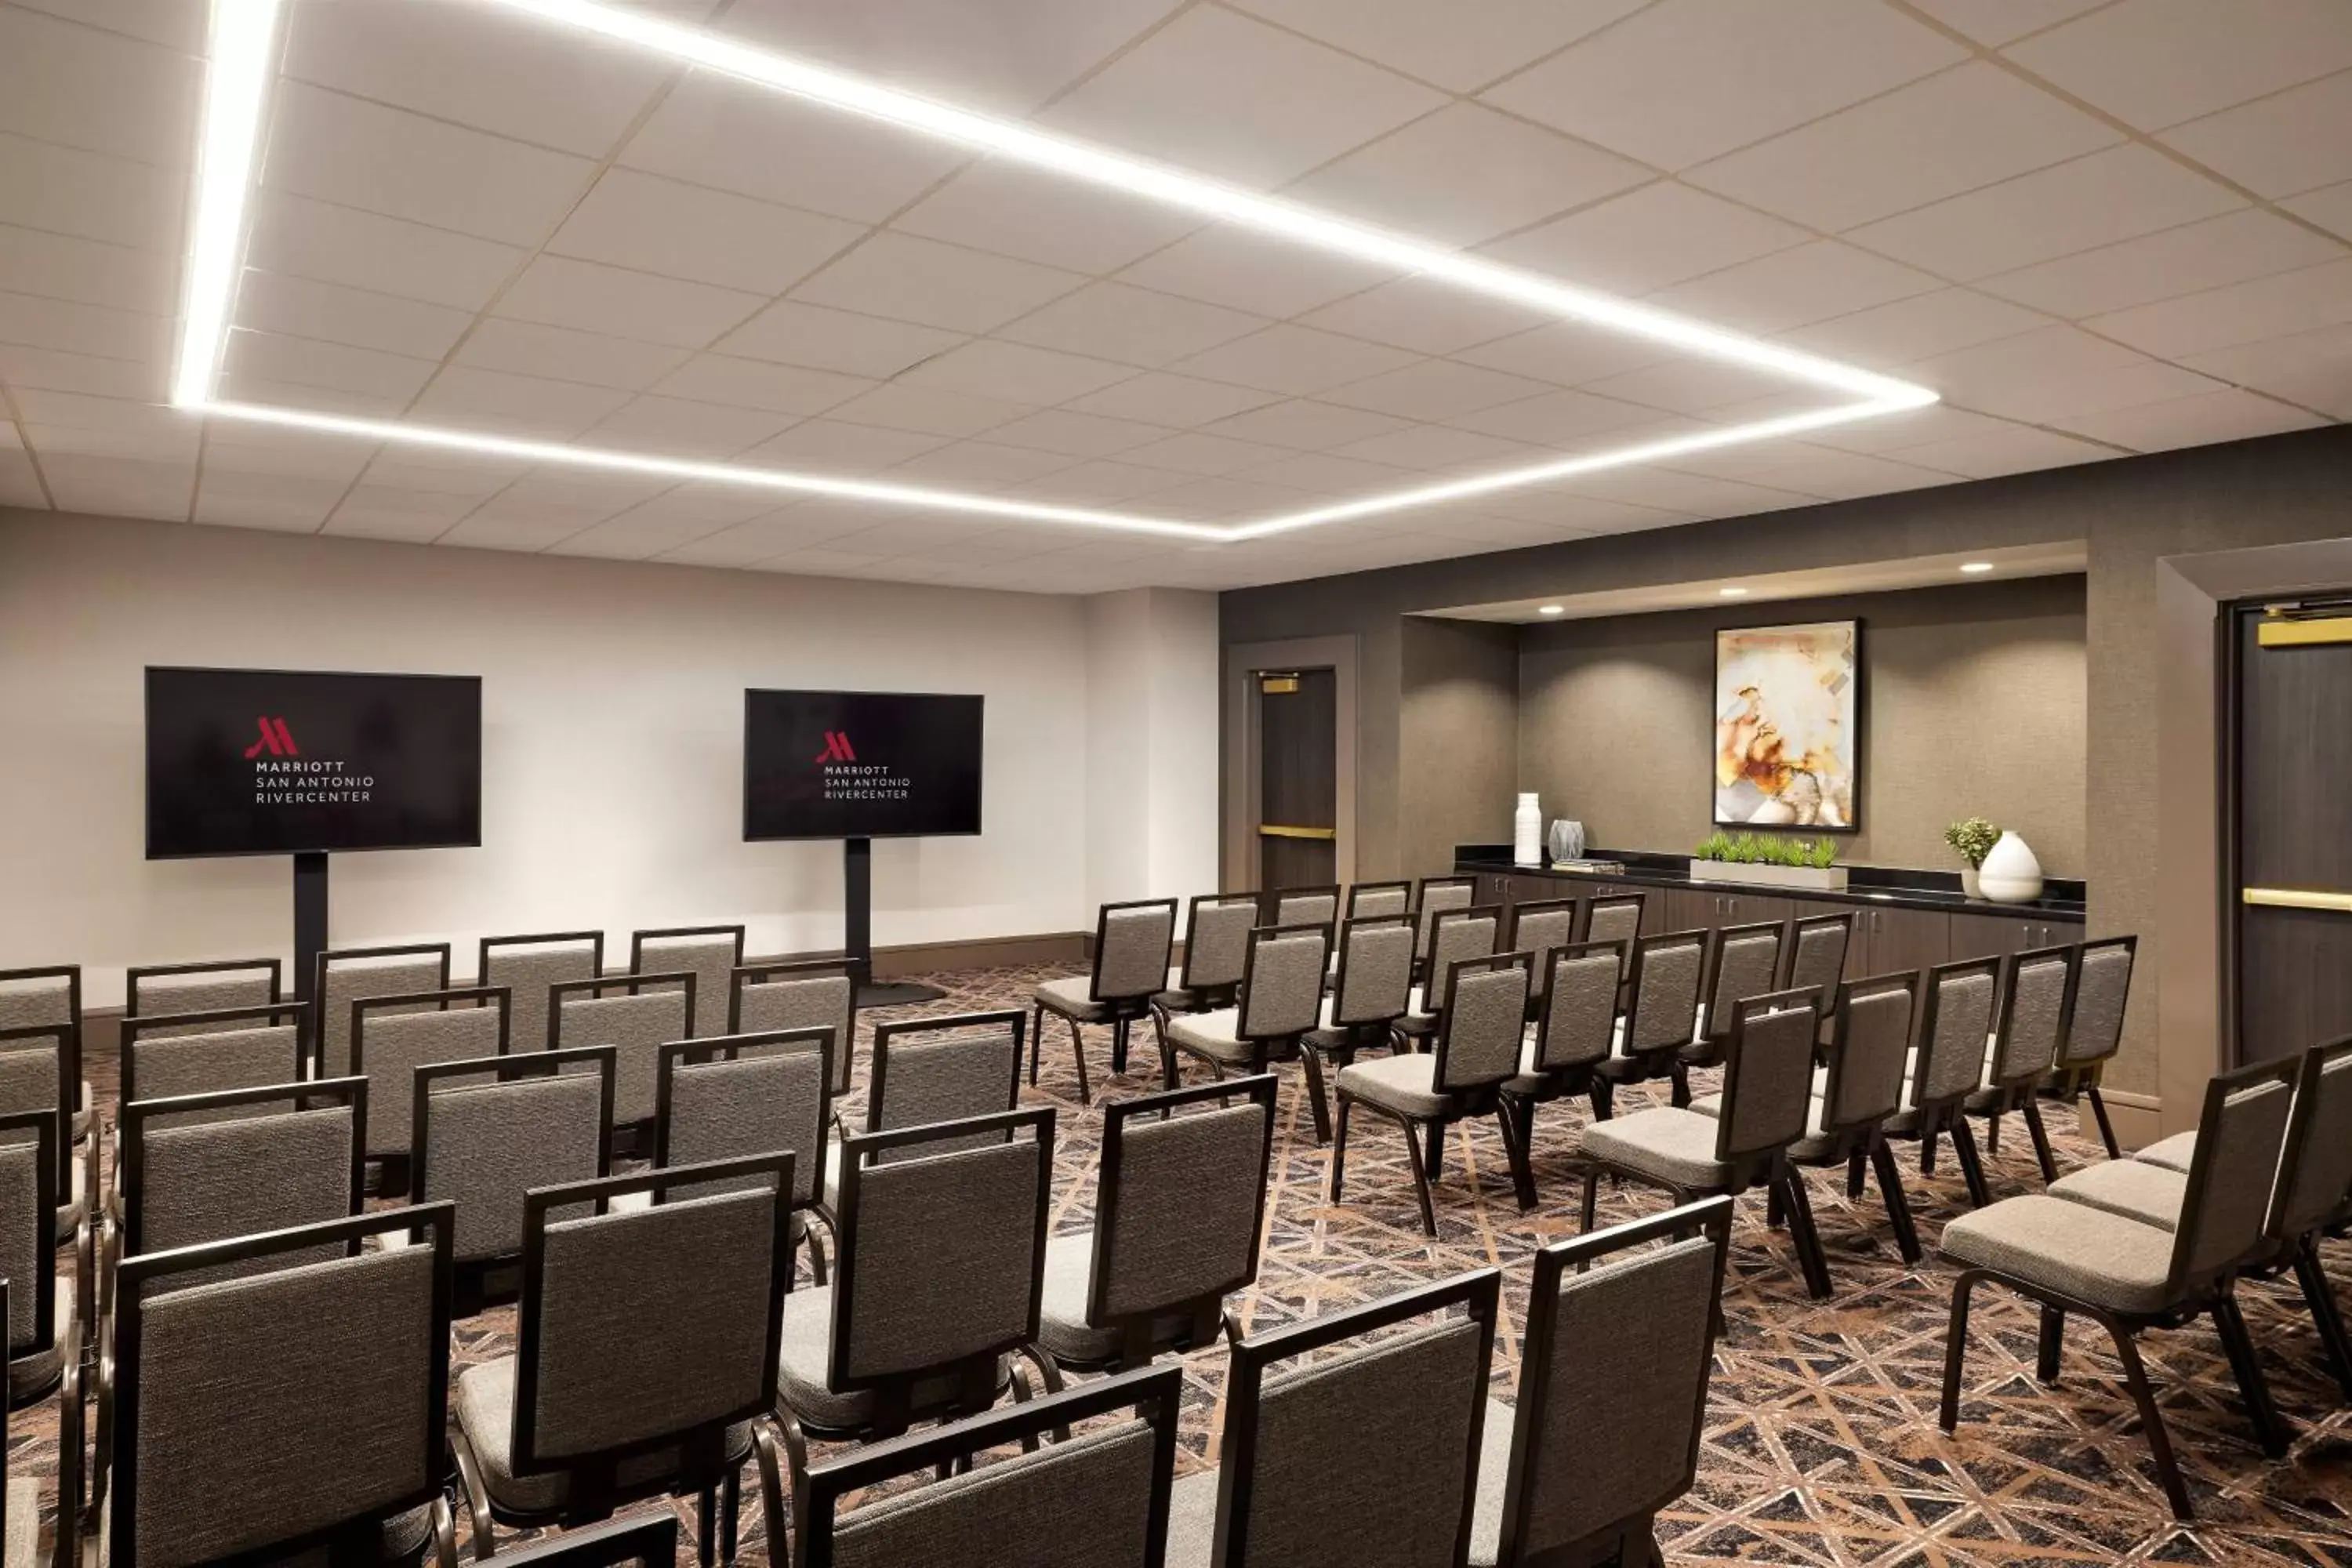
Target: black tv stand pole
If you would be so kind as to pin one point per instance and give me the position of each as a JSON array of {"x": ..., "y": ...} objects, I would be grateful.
[
  {"x": 309, "y": 918},
  {"x": 857, "y": 885}
]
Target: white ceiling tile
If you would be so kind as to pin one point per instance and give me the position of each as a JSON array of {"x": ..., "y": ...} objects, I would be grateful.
[
  {"x": 1566, "y": 354},
  {"x": 90, "y": 197},
  {"x": 1304, "y": 425},
  {"x": 684, "y": 428},
  {"x": 339, "y": 149},
  {"x": 141, "y": 380},
  {"x": 1076, "y": 434},
  {"x": 381, "y": 511},
  {"x": 1999, "y": 21},
  {"x": 817, "y": 563},
  {"x": 1099, "y": 484},
  {"x": 2013, "y": 450},
  {"x": 2228, "y": 415},
  {"x": 1009, "y": 209},
  {"x": 1909, "y": 428},
  {"x": 2063, "y": 400},
  {"x": 60, "y": 266},
  {"x": 1434, "y": 446},
  {"x": 1694, "y": 494},
  {"x": 112, "y": 487},
  {"x": 1247, "y": 271},
  {"x": 1015, "y": 371},
  {"x": 1282, "y": 104},
  {"x": 2154, "y": 63},
  {"x": 1914, "y": 329},
  {"x": 1832, "y": 476},
  {"x": 1732, "y": 74},
  {"x": 80, "y": 411},
  {"x": 2314, "y": 369},
  {"x": 2113, "y": 195},
  {"x": 1297, "y": 360},
  {"x": 1198, "y": 454},
  {"x": 560, "y": 353},
  {"x": 531, "y": 526},
  {"x": 307, "y": 362},
  {"x": 978, "y": 465},
  {"x": 558, "y": 291},
  {"x": 2027, "y": 360},
  {"x": 1647, "y": 239},
  {"x": 2330, "y": 208},
  {"x": 462, "y": 395},
  {"x": 303, "y": 307},
  {"x": 1180, "y": 402},
  {"x": 296, "y": 454},
  {"x": 20, "y": 484},
  {"x": 1460, "y": 48},
  {"x": 1225, "y": 499},
  {"x": 1435, "y": 389},
  {"x": 1327, "y": 475},
  {"x": 760, "y": 539},
  {"x": 172, "y": 23},
  {"x": 235, "y": 386},
  {"x": 2247, "y": 312},
  {"x": 790, "y": 333},
  {"x": 288, "y": 503},
  {"x": 304, "y": 238},
  {"x": 1557, "y": 418},
  {"x": 1796, "y": 288},
  {"x": 83, "y": 329},
  {"x": 929, "y": 410},
  {"x": 444, "y": 472},
  {"x": 1135, "y": 326},
  {"x": 1425, "y": 317},
  {"x": 666, "y": 522},
  {"x": 754, "y": 383},
  {"x": 103, "y": 93},
  {"x": 655, "y": 224},
  {"x": 1689, "y": 385},
  {"x": 1954, "y": 132},
  {"x": 2280, "y": 145},
  {"x": 132, "y": 442},
  {"x": 946, "y": 286},
  {"x": 1465, "y": 174},
  {"x": 2230, "y": 249},
  {"x": 830, "y": 446}
]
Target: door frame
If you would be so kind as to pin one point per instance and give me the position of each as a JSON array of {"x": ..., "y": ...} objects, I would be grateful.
[{"x": 1238, "y": 794}]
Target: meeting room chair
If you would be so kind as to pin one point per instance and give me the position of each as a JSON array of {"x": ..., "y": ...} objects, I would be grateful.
[
  {"x": 1216, "y": 949},
  {"x": 733, "y": 1095},
  {"x": 1281, "y": 1000},
  {"x": 1662, "y": 990},
  {"x": 1433, "y": 897},
  {"x": 1473, "y": 932},
  {"x": 646, "y": 1348},
  {"x": 949, "y": 1067},
  {"x": 1132, "y": 942},
  {"x": 2094, "y": 1024},
  {"x": 1955, "y": 1018},
  {"x": 711, "y": 954},
  {"x": 1378, "y": 900},
  {"x": 391, "y": 1036},
  {"x": 43, "y": 1308},
  {"x": 1816, "y": 952},
  {"x": 641, "y": 1541},
  {"x": 806, "y": 993},
  {"x": 37, "y": 1075},
  {"x": 206, "y": 987},
  {"x": 1537, "y": 928},
  {"x": 2128, "y": 1275},
  {"x": 343, "y": 975},
  {"x": 1574, "y": 1034},
  {"x": 20, "y": 1497},
  {"x": 1370, "y": 989},
  {"x": 526, "y": 965},
  {"x": 647, "y": 1012},
  {"x": 1741, "y": 962},
  {"x": 1364, "y": 1451},
  {"x": 1180, "y": 1204},
  {"x": 1614, "y": 917},
  {"x": 40, "y": 998},
  {"x": 166, "y": 1056},
  {"x": 2037, "y": 992},
  {"x": 1098, "y": 1500},
  {"x": 1317, "y": 905}
]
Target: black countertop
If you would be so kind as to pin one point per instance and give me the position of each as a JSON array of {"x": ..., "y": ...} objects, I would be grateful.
[{"x": 1876, "y": 887}]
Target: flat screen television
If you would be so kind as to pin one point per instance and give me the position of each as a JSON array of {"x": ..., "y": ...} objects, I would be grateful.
[
  {"x": 274, "y": 761},
  {"x": 860, "y": 764}
]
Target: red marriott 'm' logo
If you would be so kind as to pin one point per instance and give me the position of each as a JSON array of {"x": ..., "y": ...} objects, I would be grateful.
[
  {"x": 276, "y": 739},
  {"x": 837, "y": 748}
]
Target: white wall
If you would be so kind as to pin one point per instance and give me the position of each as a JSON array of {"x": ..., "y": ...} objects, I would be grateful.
[
  {"x": 1151, "y": 744},
  {"x": 613, "y": 717}
]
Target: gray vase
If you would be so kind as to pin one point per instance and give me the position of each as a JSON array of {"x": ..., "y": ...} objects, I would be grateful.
[{"x": 1567, "y": 839}]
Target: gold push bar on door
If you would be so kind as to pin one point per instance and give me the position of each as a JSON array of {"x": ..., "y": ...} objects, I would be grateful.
[
  {"x": 1268, "y": 830},
  {"x": 2298, "y": 898},
  {"x": 2313, "y": 633}
]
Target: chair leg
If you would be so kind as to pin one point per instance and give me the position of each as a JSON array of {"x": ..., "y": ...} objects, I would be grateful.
[
  {"x": 1603, "y": 1095},
  {"x": 1897, "y": 1201},
  {"x": 1078, "y": 1055},
  {"x": 2053, "y": 1340},
  {"x": 1964, "y": 1144},
  {"x": 2041, "y": 1154},
  {"x": 1956, "y": 1349},
  {"x": 1856, "y": 1164},
  {"x": 1318, "y": 1103},
  {"x": 817, "y": 1257},
  {"x": 706, "y": 1509},
  {"x": 1435, "y": 1159},
  {"x": 2246, "y": 1363},
  {"x": 1776, "y": 1208},
  {"x": 1522, "y": 1182},
  {"x": 1420, "y": 1177},
  {"x": 1166, "y": 1051},
  {"x": 1807, "y": 1235},
  {"x": 1680, "y": 1094},
  {"x": 2106, "y": 1128},
  {"x": 1118, "y": 1047},
  {"x": 1340, "y": 1147},
  {"x": 1992, "y": 1134},
  {"x": 2320, "y": 1297},
  {"x": 1928, "y": 1154},
  {"x": 1591, "y": 1191},
  {"x": 1036, "y": 1032},
  {"x": 2151, "y": 1419}
]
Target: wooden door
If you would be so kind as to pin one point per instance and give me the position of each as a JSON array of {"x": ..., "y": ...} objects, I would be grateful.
[{"x": 1298, "y": 778}]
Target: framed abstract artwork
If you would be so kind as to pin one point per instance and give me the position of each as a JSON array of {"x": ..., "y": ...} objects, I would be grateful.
[{"x": 1788, "y": 726}]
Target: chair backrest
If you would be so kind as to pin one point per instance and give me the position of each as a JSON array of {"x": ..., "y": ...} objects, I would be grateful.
[
  {"x": 642, "y": 1540},
  {"x": 748, "y": 1094},
  {"x": 527, "y": 965},
  {"x": 1540, "y": 926},
  {"x": 942, "y": 1255},
  {"x": 187, "y": 1181},
  {"x": 1216, "y": 940},
  {"x": 1870, "y": 1043},
  {"x": 29, "y": 1141},
  {"x": 1614, "y": 917},
  {"x": 151, "y": 989},
  {"x": 1375, "y": 984},
  {"x": 2316, "y": 1172},
  {"x": 812, "y": 994},
  {"x": 343, "y": 975},
  {"x": 1316, "y": 1465},
  {"x": 649, "y": 1329},
  {"x": 1817, "y": 947},
  {"x": 1483, "y": 1026},
  {"x": 2231, "y": 1175},
  {"x": 1132, "y": 942},
  {"x": 950, "y": 1068},
  {"x": 50, "y": 994},
  {"x": 1096, "y": 1499},
  {"x": 1435, "y": 896},
  {"x": 1664, "y": 989},
  {"x": 1612, "y": 1387},
  {"x": 392, "y": 1037},
  {"x": 650, "y": 1011},
  {"x": 2036, "y": 993},
  {"x": 206, "y": 1053},
  {"x": 711, "y": 954},
  {"x": 1282, "y": 988},
  {"x": 1369, "y": 901},
  {"x": 1956, "y": 1008},
  {"x": 490, "y": 1132},
  {"x": 2094, "y": 1025},
  {"x": 1741, "y": 962},
  {"x": 1180, "y": 1204},
  {"x": 1767, "y": 1079},
  {"x": 36, "y": 1074},
  {"x": 208, "y": 1465},
  {"x": 1315, "y": 906},
  {"x": 1577, "y": 1025},
  {"x": 1452, "y": 936}
]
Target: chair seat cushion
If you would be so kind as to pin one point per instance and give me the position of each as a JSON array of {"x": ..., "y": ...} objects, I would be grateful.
[
  {"x": 1072, "y": 996},
  {"x": 1192, "y": 1521},
  {"x": 24, "y": 1534},
  {"x": 486, "y": 1402},
  {"x": 1493, "y": 1472},
  {"x": 2173, "y": 1153},
  {"x": 2069, "y": 1248},
  {"x": 1062, "y": 1330},
  {"x": 1664, "y": 1144},
  {"x": 1212, "y": 1034},
  {"x": 801, "y": 1385},
  {"x": 2149, "y": 1194},
  {"x": 1405, "y": 1084}
]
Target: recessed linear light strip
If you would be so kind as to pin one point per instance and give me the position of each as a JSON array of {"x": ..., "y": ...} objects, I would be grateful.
[{"x": 236, "y": 90}]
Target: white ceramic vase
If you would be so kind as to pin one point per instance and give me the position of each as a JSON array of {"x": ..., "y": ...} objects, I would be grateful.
[
  {"x": 1527, "y": 833},
  {"x": 2010, "y": 874},
  {"x": 1968, "y": 888}
]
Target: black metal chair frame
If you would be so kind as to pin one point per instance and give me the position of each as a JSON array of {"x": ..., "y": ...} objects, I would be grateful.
[
  {"x": 1945, "y": 1114},
  {"x": 1362, "y": 1036},
  {"x": 332, "y": 956},
  {"x": 2024, "y": 1093},
  {"x": 1796, "y": 927},
  {"x": 1862, "y": 1146},
  {"x": 1356, "y": 891},
  {"x": 1122, "y": 1012},
  {"x": 1187, "y": 997},
  {"x": 69, "y": 1091},
  {"x": 48, "y": 1128},
  {"x": 1512, "y": 915},
  {"x": 634, "y": 985},
  {"x": 637, "y": 940},
  {"x": 1270, "y": 905},
  {"x": 713, "y": 1047},
  {"x": 877, "y": 1089},
  {"x": 500, "y": 997},
  {"x": 2083, "y": 1080},
  {"x": 273, "y": 1016},
  {"x": 1558, "y": 1083},
  {"x": 647, "y": 1540},
  {"x": 1705, "y": 1048},
  {"x": 1425, "y": 940},
  {"x": 137, "y": 973},
  {"x": 1267, "y": 1051},
  {"x": 69, "y": 1041},
  {"x": 1410, "y": 1033},
  {"x": 1660, "y": 1061},
  {"x": 2298, "y": 1251},
  {"x": 745, "y": 975},
  {"x": 595, "y": 939},
  {"x": 1638, "y": 903}
]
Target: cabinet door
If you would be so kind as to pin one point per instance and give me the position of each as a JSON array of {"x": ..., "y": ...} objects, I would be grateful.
[
  {"x": 1491, "y": 888},
  {"x": 1751, "y": 908},
  {"x": 1988, "y": 936},
  {"x": 1686, "y": 909},
  {"x": 1536, "y": 889},
  {"x": 1892, "y": 941}
]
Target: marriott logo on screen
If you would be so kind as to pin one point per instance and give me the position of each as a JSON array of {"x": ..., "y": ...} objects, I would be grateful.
[
  {"x": 282, "y": 777},
  {"x": 846, "y": 778}
]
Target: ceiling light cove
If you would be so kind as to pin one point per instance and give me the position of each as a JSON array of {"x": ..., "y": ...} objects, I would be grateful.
[{"x": 243, "y": 59}]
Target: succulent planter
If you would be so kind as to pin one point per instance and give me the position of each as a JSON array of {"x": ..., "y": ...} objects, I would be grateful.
[{"x": 1815, "y": 878}]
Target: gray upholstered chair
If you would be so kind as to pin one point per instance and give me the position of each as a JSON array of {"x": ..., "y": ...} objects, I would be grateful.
[
  {"x": 42, "y": 1309},
  {"x": 1768, "y": 1073},
  {"x": 219, "y": 1448},
  {"x": 1612, "y": 1394},
  {"x": 36, "y": 1074},
  {"x": 1364, "y": 1453},
  {"x": 635, "y": 1013},
  {"x": 167, "y": 1056},
  {"x": 2129, "y": 1276},
  {"x": 1613, "y": 917},
  {"x": 1741, "y": 962},
  {"x": 1815, "y": 952},
  {"x": 1539, "y": 928},
  {"x": 527, "y": 965},
  {"x": 1096, "y": 1501},
  {"x": 947, "y": 1068},
  {"x": 35, "y": 998},
  {"x": 489, "y": 1133},
  {"x": 1955, "y": 1018},
  {"x": 1477, "y": 1052},
  {"x": 642, "y": 1540},
  {"x": 20, "y": 1499},
  {"x": 343, "y": 975},
  {"x": 1445, "y": 941},
  {"x": 2036, "y": 993},
  {"x": 807, "y": 994},
  {"x": 151, "y": 989},
  {"x": 1315, "y": 906},
  {"x": 1433, "y": 897},
  {"x": 1216, "y": 949},
  {"x": 711, "y": 954},
  {"x": 2094, "y": 1024},
  {"x": 391, "y": 1036},
  {"x": 1180, "y": 1202},
  {"x": 1662, "y": 992},
  {"x": 645, "y": 1351},
  {"x": 1574, "y": 1030},
  {"x": 1374, "y": 900},
  {"x": 1281, "y": 1001},
  {"x": 732, "y": 1095},
  {"x": 1132, "y": 942},
  {"x": 1372, "y": 990},
  {"x": 939, "y": 1281}
]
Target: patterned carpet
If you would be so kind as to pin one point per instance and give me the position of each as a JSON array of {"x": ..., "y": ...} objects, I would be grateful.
[{"x": 1822, "y": 1445}]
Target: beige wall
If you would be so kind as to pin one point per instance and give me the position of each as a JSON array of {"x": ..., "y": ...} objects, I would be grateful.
[
  {"x": 1972, "y": 705},
  {"x": 1457, "y": 723}
]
